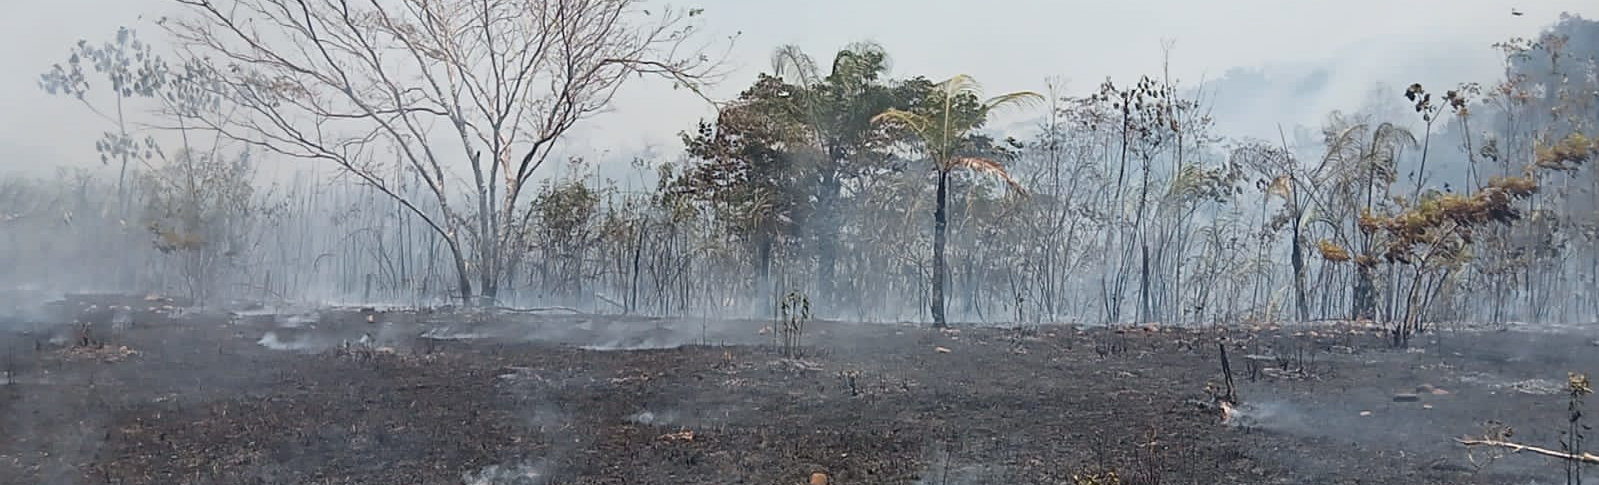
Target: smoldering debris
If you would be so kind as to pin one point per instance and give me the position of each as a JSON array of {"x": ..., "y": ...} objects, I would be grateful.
[
  {"x": 1271, "y": 415},
  {"x": 446, "y": 333},
  {"x": 1534, "y": 386},
  {"x": 300, "y": 344},
  {"x": 521, "y": 474},
  {"x": 633, "y": 344},
  {"x": 651, "y": 418}
]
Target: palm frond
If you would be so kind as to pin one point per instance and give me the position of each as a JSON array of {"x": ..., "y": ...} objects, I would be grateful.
[
  {"x": 1017, "y": 99},
  {"x": 912, "y": 121},
  {"x": 1342, "y": 140},
  {"x": 960, "y": 84},
  {"x": 1188, "y": 179},
  {"x": 989, "y": 167},
  {"x": 855, "y": 59},
  {"x": 790, "y": 60},
  {"x": 1391, "y": 134}
]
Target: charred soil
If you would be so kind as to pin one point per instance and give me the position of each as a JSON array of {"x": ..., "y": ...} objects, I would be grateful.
[{"x": 370, "y": 396}]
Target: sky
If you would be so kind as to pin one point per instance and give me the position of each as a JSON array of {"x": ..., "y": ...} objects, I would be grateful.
[{"x": 1006, "y": 44}]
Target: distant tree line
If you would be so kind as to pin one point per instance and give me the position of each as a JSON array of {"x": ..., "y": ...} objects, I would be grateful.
[{"x": 881, "y": 197}]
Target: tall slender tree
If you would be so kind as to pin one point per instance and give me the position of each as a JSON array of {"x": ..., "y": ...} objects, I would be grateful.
[{"x": 945, "y": 124}]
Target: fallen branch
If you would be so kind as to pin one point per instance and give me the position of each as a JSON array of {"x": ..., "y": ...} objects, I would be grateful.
[
  {"x": 540, "y": 309},
  {"x": 1584, "y": 457},
  {"x": 618, "y": 306}
]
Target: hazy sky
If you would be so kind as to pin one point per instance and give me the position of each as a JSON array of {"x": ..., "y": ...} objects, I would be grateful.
[{"x": 1005, "y": 44}]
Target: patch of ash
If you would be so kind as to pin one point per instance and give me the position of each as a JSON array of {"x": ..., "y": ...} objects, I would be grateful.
[
  {"x": 1534, "y": 386},
  {"x": 518, "y": 372},
  {"x": 445, "y": 333},
  {"x": 506, "y": 475},
  {"x": 952, "y": 463},
  {"x": 650, "y": 418},
  {"x": 634, "y": 344},
  {"x": 296, "y": 321},
  {"x": 978, "y": 474}
]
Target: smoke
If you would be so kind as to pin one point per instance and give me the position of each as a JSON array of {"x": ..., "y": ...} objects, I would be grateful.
[
  {"x": 23, "y": 309},
  {"x": 650, "y": 419},
  {"x": 1280, "y": 416},
  {"x": 299, "y": 343},
  {"x": 518, "y": 474},
  {"x": 973, "y": 474}
]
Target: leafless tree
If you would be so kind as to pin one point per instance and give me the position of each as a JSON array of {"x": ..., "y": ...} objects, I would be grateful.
[{"x": 363, "y": 84}]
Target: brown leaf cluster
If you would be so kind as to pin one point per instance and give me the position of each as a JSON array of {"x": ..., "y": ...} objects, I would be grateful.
[
  {"x": 103, "y": 353},
  {"x": 1578, "y": 384},
  {"x": 1568, "y": 154},
  {"x": 171, "y": 239},
  {"x": 1444, "y": 221},
  {"x": 1331, "y": 251}
]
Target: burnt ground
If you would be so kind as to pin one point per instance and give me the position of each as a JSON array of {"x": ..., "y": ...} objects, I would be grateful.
[{"x": 159, "y": 395}]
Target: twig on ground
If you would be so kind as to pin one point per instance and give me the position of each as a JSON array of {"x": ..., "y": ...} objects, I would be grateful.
[{"x": 1584, "y": 457}]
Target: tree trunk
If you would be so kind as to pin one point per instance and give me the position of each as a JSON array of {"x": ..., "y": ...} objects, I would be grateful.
[
  {"x": 763, "y": 276},
  {"x": 1298, "y": 261},
  {"x": 491, "y": 291},
  {"x": 940, "y": 225},
  {"x": 1145, "y": 309},
  {"x": 1365, "y": 294},
  {"x": 462, "y": 278},
  {"x": 633, "y": 286},
  {"x": 827, "y": 240}
]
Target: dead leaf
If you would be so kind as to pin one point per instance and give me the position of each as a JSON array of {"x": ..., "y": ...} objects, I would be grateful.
[{"x": 684, "y": 435}]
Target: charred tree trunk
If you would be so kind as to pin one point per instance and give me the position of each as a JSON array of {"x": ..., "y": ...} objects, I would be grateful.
[
  {"x": 940, "y": 237},
  {"x": 491, "y": 291},
  {"x": 763, "y": 275},
  {"x": 1298, "y": 262},
  {"x": 1365, "y": 294},
  {"x": 462, "y": 278},
  {"x": 827, "y": 240},
  {"x": 638, "y": 258},
  {"x": 1146, "y": 309}
]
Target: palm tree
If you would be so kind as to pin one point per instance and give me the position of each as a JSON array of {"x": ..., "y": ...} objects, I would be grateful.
[
  {"x": 945, "y": 124},
  {"x": 836, "y": 115}
]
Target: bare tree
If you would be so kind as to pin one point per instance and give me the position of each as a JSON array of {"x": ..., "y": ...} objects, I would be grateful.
[{"x": 362, "y": 84}]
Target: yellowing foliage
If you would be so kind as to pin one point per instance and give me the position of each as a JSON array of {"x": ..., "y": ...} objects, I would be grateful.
[
  {"x": 1567, "y": 154},
  {"x": 1096, "y": 477},
  {"x": 1443, "y": 222},
  {"x": 1332, "y": 251},
  {"x": 1369, "y": 222},
  {"x": 1281, "y": 186},
  {"x": 1577, "y": 383},
  {"x": 168, "y": 240}
]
